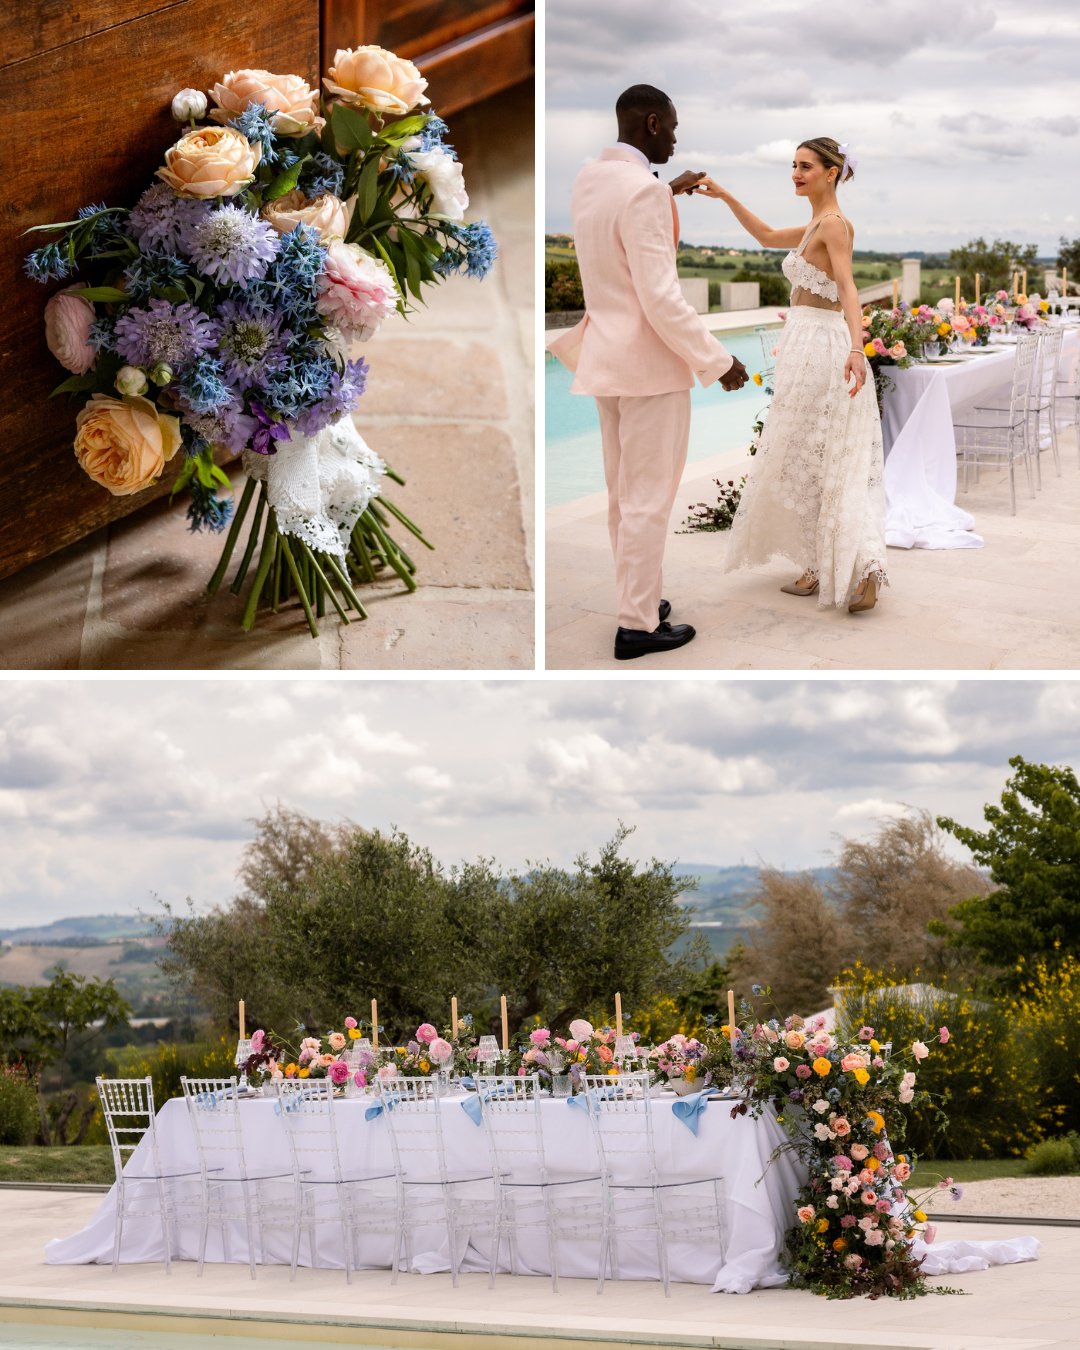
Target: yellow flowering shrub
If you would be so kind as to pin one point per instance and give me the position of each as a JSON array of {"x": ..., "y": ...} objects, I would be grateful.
[{"x": 1046, "y": 1009}]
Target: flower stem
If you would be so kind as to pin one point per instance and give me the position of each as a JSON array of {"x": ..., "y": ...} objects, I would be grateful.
[
  {"x": 345, "y": 584},
  {"x": 253, "y": 537},
  {"x": 409, "y": 525},
  {"x": 325, "y": 588},
  {"x": 283, "y": 544},
  {"x": 266, "y": 557},
  {"x": 392, "y": 553},
  {"x": 230, "y": 541}
]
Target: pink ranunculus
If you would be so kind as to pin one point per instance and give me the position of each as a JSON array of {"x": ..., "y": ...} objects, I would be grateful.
[
  {"x": 859, "y": 1152},
  {"x": 350, "y": 1023},
  {"x": 356, "y": 291},
  {"x": 68, "y": 320},
  {"x": 338, "y": 1072},
  {"x": 919, "y": 1050},
  {"x": 803, "y": 1071},
  {"x": 541, "y": 1036},
  {"x": 441, "y": 1051},
  {"x": 360, "y": 1079},
  {"x": 866, "y": 1033},
  {"x": 843, "y": 1162},
  {"x": 258, "y": 1040},
  {"x": 426, "y": 1033},
  {"x": 943, "y": 1035},
  {"x": 875, "y": 1237},
  {"x": 806, "y": 1213},
  {"x": 780, "y": 1064},
  {"x": 902, "y": 1171}
]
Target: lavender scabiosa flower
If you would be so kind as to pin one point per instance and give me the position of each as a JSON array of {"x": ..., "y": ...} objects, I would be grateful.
[
  {"x": 231, "y": 244},
  {"x": 159, "y": 218},
  {"x": 251, "y": 344},
  {"x": 163, "y": 332}
]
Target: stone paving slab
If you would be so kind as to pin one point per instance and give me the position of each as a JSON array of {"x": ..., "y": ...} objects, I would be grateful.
[
  {"x": 1021, "y": 1307},
  {"x": 1009, "y": 605}
]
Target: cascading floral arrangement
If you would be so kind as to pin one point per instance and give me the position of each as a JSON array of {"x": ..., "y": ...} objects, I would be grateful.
[{"x": 219, "y": 314}]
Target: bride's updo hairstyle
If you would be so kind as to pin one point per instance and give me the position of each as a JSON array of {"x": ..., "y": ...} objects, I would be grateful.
[{"x": 830, "y": 154}]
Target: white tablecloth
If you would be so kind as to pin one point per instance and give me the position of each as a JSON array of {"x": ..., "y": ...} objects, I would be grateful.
[
  {"x": 920, "y": 446},
  {"x": 758, "y": 1195}
]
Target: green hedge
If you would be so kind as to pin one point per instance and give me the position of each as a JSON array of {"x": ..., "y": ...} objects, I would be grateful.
[
  {"x": 562, "y": 286},
  {"x": 18, "y": 1110}
]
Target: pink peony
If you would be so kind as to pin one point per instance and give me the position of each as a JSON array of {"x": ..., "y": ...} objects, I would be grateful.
[
  {"x": 780, "y": 1064},
  {"x": 338, "y": 1072},
  {"x": 883, "y": 1206},
  {"x": 853, "y": 1061},
  {"x": 929, "y": 1233},
  {"x": 842, "y": 1162},
  {"x": 387, "y": 1071},
  {"x": 68, "y": 319},
  {"x": 881, "y": 1150},
  {"x": 605, "y": 1053},
  {"x": 943, "y": 1035},
  {"x": 426, "y": 1033},
  {"x": 541, "y": 1036},
  {"x": 441, "y": 1051},
  {"x": 848, "y": 1221},
  {"x": 258, "y": 1040},
  {"x": 360, "y": 1079},
  {"x": 350, "y": 1023},
  {"x": 832, "y": 1202},
  {"x": 356, "y": 291},
  {"x": 581, "y": 1030}
]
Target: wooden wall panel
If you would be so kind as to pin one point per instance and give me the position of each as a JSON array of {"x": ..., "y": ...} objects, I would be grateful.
[{"x": 87, "y": 119}]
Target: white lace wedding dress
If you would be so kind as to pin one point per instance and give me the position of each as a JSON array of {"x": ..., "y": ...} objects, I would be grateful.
[{"x": 815, "y": 493}]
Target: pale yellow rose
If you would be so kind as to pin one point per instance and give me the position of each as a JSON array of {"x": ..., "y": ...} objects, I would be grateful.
[
  {"x": 327, "y": 214},
  {"x": 293, "y": 102},
  {"x": 377, "y": 79},
  {"x": 337, "y": 1040},
  {"x": 211, "y": 162},
  {"x": 124, "y": 443}
]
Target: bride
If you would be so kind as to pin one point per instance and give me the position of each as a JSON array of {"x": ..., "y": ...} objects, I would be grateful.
[{"x": 815, "y": 495}]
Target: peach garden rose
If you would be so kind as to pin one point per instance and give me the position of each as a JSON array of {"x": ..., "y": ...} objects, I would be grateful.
[
  {"x": 328, "y": 215},
  {"x": 210, "y": 162},
  {"x": 124, "y": 444},
  {"x": 293, "y": 102},
  {"x": 377, "y": 79}
]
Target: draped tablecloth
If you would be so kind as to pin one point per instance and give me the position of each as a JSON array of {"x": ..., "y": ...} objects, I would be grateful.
[
  {"x": 758, "y": 1194},
  {"x": 920, "y": 445}
]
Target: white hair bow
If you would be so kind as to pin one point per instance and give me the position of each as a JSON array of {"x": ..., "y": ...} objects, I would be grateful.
[{"x": 850, "y": 162}]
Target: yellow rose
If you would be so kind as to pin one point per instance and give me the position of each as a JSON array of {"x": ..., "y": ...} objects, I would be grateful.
[
  {"x": 123, "y": 443},
  {"x": 328, "y": 215},
  {"x": 920, "y": 1216},
  {"x": 425, "y": 1067},
  {"x": 377, "y": 79},
  {"x": 875, "y": 1046},
  {"x": 861, "y": 1077},
  {"x": 822, "y": 1225},
  {"x": 211, "y": 162},
  {"x": 305, "y": 1072},
  {"x": 822, "y": 1067},
  {"x": 756, "y": 378},
  {"x": 293, "y": 102},
  {"x": 872, "y": 1164},
  {"x": 869, "y": 349},
  {"x": 877, "y": 1119},
  {"x": 354, "y": 1033}
]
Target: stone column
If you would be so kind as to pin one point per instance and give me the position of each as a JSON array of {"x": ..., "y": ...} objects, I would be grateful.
[{"x": 911, "y": 280}]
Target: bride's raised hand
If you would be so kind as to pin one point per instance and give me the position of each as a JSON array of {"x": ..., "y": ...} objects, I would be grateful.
[
  {"x": 709, "y": 188},
  {"x": 855, "y": 369}
]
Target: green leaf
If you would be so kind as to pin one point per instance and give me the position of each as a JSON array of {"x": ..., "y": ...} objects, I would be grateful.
[
  {"x": 367, "y": 190},
  {"x": 403, "y": 128},
  {"x": 186, "y": 474},
  {"x": 75, "y": 384},
  {"x": 392, "y": 256},
  {"x": 413, "y": 254},
  {"x": 108, "y": 295},
  {"x": 351, "y": 129},
  {"x": 284, "y": 182}
]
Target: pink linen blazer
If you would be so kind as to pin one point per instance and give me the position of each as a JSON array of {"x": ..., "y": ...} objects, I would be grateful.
[{"x": 639, "y": 335}]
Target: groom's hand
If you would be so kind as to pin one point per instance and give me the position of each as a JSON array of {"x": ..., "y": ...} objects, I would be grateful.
[
  {"x": 685, "y": 183},
  {"x": 735, "y": 378}
]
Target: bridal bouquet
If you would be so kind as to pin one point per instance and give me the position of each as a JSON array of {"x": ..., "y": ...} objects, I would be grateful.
[{"x": 218, "y": 316}]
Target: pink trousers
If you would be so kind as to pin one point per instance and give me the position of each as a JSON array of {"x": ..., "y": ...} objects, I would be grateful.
[{"x": 645, "y": 441}]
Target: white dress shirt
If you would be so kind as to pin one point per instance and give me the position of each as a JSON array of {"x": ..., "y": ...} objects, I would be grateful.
[{"x": 622, "y": 145}]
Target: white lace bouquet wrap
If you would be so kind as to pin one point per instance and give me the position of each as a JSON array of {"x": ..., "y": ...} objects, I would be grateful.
[{"x": 319, "y": 486}]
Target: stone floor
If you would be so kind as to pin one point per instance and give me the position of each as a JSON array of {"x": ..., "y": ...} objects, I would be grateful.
[
  {"x": 449, "y": 406},
  {"x": 1008, "y": 606},
  {"x": 1019, "y": 1307}
]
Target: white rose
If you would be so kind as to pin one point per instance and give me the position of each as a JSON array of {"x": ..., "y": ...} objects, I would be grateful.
[
  {"x": 189, "y": 103},
  {"x": 446, "y": 179}
]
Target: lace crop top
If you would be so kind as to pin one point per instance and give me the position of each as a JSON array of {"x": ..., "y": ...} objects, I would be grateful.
[{"x": 805, "y": 276}]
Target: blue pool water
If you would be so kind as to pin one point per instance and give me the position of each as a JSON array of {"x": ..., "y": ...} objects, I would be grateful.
[
  {"x": 27, "y": 1336},
  {"x": 720, "y": 421}
]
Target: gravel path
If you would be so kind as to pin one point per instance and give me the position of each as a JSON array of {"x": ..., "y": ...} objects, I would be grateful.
[{"x": 1039, "y": 1197}]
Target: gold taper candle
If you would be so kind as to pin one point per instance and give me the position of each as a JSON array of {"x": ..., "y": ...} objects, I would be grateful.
[
  {"x": 976, "y": 288},
  {"x": 453, "y": 1018},
  {"x": 731, "y": 1017},
  {"x": 1015, "y": 287},
  {"x": 505, "y": 1023},
  {"x": 243, "y": 1024},
  {"x": 957, "y": 295},
  {"x": 374, "y": 1025},
  {"x": 618, "y": 1014},
  {"x": 1023, "y": 284},
  {"x": 1064, "y": 281},
  {"x": 895, "y": 292}
]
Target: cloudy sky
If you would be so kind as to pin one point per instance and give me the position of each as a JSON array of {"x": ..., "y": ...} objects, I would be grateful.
[
  {"x": 113, "y": 791},
  {"x": 964, "y": 117}
]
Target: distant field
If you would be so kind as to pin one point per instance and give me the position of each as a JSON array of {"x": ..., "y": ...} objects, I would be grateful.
[{"x": 131, "y": 964}]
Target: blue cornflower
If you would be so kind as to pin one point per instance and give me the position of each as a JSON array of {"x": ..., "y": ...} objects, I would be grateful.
[
  {"x": 344, "y": 388},
  {"x": 47, "y": 263},
  {"x": 204, "y": 389},
  {"x": 257, "y": 123},
  {"x": 175, "y": 334},
  {"x": 207, "y": 509},
  {"x": 159, "y": 218},
  {"x": 231, "y": 244},
  {"x": 321, "y": 174},
  {"x": 154, "y": 271},
  {"x": 251, "y": 344}
]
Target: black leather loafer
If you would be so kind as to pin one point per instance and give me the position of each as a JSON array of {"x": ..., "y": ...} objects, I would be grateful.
[
  {"x": 665, "y": 610},
  {"x": 631, "y": 642}
]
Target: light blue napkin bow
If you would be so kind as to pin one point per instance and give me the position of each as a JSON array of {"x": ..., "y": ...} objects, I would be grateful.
[
  {"x": 689, "y": 1109},
  {"x": 578, "y": 1101},
  {"x": 473, "y": 1106}
]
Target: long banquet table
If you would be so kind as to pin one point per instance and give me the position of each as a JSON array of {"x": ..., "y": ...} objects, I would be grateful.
[
  {"x": 920, "y": 445},
  {"x": 758, "y": 1194}
]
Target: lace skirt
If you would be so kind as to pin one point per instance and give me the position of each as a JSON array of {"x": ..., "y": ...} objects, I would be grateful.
[{"x": 815, "y": 493}]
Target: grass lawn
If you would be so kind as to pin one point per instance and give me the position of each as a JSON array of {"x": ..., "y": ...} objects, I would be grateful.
[
  {"x": 976, "y": 1169},
  {"x": 90, "y": 1164}
]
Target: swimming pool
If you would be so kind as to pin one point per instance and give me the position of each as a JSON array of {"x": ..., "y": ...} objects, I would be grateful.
[
  {"x": 721, "y": 421},
  {"x": 31, "y": 1336}
]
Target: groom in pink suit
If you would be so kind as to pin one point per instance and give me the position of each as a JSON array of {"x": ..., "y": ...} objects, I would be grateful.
[{"x": 637, "y": 351}]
